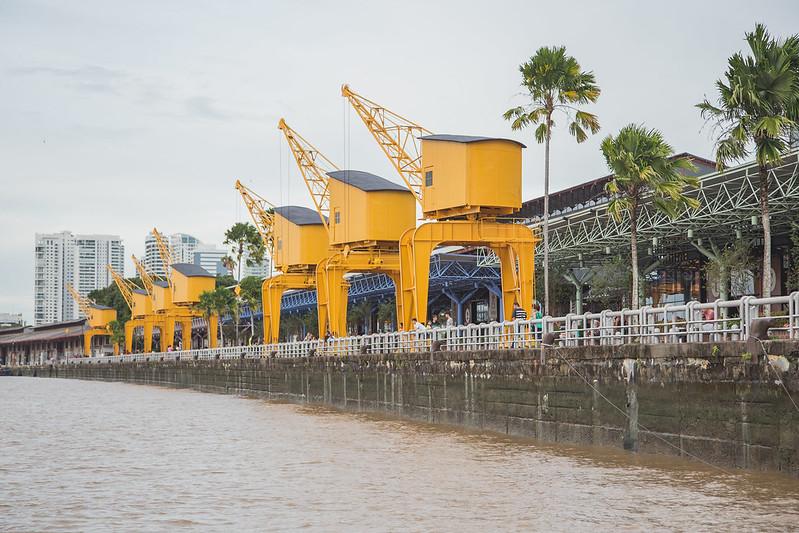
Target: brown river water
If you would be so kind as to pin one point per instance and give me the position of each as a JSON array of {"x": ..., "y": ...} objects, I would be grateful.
[{"x": 92, "y": 456}]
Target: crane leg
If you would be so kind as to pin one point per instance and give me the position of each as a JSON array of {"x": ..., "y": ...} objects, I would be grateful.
[
  {"x": 213, "y": 330},
  {"x": 509, "y": 279},
  {"x": 185, "y": 343},
  {"x": 130, "y": 327},
  {"x": 87, "y": 343},
  {"x": 322, "y": 298},
  {"x": 406, "y": 285},
  {"x": 525, "y": 255},
  {"x": 271, "y": 297},
  {"x": 148, "y": 335},
  {"x": 337, "y": 293},
  {"x": 168, "y": 333}
]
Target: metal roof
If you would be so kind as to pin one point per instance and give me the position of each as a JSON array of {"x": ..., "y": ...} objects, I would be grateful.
[
  {"x": 100, "y": 307},
  {"x": 298, "y": 215},
  {"x": 161, "y": 283},
  {"x": 578, "y": 196},
  {"x": 140, "y": 291},
  {"x": 467, "y": 139},
  {"x": 366, "y": 181},
  {"x": 46, "y": 332},
  {"x": 192, "y": 271}
]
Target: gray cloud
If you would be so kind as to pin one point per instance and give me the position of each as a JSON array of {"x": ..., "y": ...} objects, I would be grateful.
[
  {"x": 206, "y": 108},
  {"x": 90, "y": 78}
]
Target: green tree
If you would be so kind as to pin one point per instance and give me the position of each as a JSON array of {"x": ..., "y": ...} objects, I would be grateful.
[
  {"x": 387, "y": 312},
  {"x": 758, "y": 105},
  {"x": 111, "y": 297},
  {"x": 556, "y": 84},
  {"x": 207, "y": 305},
  {"x": 227, "y": 281},
  {"x": 117, "y": 330},
  {"x": 359, "y": 316},
  {"x": 251, "y": 295},
  {"x": 793, "y": 258},
  {"x": 226, "y": 302},
  {"x": 643, "y": 167},
  {"x": 610, "y": 283},
  {"x": 725, "y": 265},
  {"x": 243, "y": 238}
]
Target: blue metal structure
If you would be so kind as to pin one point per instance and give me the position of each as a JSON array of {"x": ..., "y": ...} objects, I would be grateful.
[{"x": 457, "y": 277}]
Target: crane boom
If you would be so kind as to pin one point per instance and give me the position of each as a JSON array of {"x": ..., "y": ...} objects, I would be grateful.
[
  {"x": 314, "y": 167},
  {"x": 125, "y": 287},
  {"x": 165, "y": 252},
  {"x": 146, "y": 278},
  {"x": 261, "y": 212},
  {"x": 397, "y": 136},
  {"x": 83, "y": 302}
]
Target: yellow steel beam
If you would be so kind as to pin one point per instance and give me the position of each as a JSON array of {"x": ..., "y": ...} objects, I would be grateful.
[
  {"x": 514, "y": 244},
  {"x": 165, "y": 251},
  {"x": 314, "y": 167},
  {"x": 261, "y": 212},
  {"x": 397, "y": 136}
]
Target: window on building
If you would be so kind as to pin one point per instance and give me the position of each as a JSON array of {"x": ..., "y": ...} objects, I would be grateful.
[
  {"x": 337, "y": 216},
  {"x": 428, "y": 178}
]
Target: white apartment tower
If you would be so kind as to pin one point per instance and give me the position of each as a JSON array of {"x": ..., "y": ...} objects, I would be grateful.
[
  {"x": 183, "y": 247},
  {"x": 80, "y": 260}
]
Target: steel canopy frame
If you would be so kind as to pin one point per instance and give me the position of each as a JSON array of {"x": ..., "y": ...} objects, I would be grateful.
[{"x": 727, "y": 199}]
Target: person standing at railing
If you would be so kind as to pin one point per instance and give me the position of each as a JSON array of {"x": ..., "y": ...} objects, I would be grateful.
[
  {"x": 417, "y": 326},
  {"x": 538, "y": 316},
  {"x": 518, "y": 312},
  {"x": 448, "y": 320}
]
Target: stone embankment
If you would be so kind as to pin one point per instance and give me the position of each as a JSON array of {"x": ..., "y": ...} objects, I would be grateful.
[{"x": 721, "y": 403}]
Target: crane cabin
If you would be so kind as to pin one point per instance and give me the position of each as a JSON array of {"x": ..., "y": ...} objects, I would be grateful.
[
  {"x": 467, "y": 176},
  {"x": 367, "y": 209},
  {"x": 300, "y": 237}
]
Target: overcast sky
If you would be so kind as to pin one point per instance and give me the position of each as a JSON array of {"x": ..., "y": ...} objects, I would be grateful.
[{"x": 119, "y": 116}]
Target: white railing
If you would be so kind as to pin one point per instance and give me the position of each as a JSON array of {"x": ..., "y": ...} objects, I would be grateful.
[{"x": 717, "y": 321}]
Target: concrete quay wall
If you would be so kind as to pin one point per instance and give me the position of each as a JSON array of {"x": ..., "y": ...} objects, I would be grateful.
[{"x": 718, "y": 402}]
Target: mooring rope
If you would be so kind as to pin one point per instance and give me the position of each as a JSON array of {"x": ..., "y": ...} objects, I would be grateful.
[
  {"x": 623, "y": 412},
  {"x": 779, "y": 379}
]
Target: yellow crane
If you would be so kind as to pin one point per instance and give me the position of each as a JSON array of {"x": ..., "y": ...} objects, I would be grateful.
[
  {"x": 98, "y": 318},
  {"x": 462, "y": 183},
  {"x": 175, "y": 298},
  {"x": 126, "y": 289},
  {"x": 364, "y": 216},
  {"x": 296, "y": 240},
  {"x": 144, "y": 303},
  {"x": 165, "y": 252}
]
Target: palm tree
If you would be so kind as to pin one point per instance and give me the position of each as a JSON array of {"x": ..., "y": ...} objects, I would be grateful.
[
  {"x": 251, "y": 295},
  {"x": 244, "y": 237},
  {"x": 226, "y": 302},
  {"x": 643, "y": 167},
  {"x": 555, "y": 83},
  {"x": 206, "y": 304},
  {"x": 758, "y": 104}
]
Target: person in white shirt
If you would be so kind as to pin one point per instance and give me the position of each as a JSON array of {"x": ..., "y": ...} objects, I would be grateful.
[{"x": 418, "y": 326}]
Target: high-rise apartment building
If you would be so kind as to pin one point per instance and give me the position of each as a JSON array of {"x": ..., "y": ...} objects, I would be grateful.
[
  {"x": 182, "y": 245},
  {"x": 210, "y": 258},
  {"x": 80, "y": 260},
  {"x": 259, "y": 270},
  {"x": 188, "y": 249}
]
